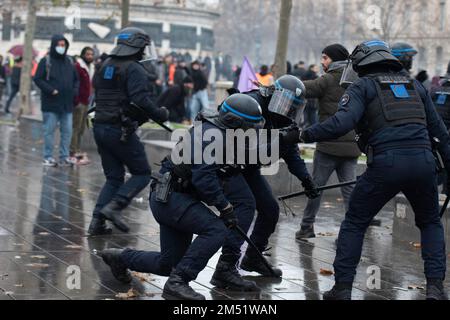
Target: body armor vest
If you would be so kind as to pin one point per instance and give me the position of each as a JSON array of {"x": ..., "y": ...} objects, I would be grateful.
[
  {"x": 110, "y": 90},
  {"x": 397, "y": 103}
]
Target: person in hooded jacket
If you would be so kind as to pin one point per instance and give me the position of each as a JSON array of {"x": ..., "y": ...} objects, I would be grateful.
[{"x": 57, "y": 78}]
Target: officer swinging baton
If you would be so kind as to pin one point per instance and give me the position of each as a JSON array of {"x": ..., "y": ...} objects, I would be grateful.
[
  {"x": 332, "y": 186},
  {"x": 240, "y": 231}
]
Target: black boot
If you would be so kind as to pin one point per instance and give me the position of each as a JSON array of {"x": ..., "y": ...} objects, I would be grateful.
[
  {"x": 113, "y": 212},
  {"x": 98, "y": 227},
  {"x": 252, "y": 263},
  {"x": 305, "y": 232},
  {"x": 178, "y": 289},
  {"x": 118, "y": 268},
  {"x": 340, "y": 291},
  {"x": 227, "y": 276},
  {"x": 435, "y": 290}
]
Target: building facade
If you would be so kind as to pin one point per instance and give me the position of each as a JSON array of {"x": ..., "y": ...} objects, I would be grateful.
[{"x": 174, "y": 25}]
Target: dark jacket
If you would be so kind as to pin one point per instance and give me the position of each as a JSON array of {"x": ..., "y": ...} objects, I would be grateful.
[
  {"x": 173, "y": 99},
  {"x": 15, "y": 76},
  {"x": 200, "y": 81},
  {"x": 63, "y": 77},
  {"x": 327, "y": 90}
]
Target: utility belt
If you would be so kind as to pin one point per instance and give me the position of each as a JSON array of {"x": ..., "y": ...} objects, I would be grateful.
[{"x": 372, "y": 152}]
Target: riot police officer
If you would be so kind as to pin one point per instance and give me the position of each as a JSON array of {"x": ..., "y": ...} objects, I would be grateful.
[
  {"x": 177, "y": 203},
  {"x": 121, "y": 83},
  {"x": 282, "y": 107},
  {"x": 395, "y": 121},
  {"x": 405, "y": 53}
]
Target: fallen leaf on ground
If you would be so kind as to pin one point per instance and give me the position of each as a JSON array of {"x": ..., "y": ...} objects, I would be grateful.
[
  {"x": 38, "y": 257},
  {"x": 141, "y": 276},
  {"x": 130, "y": 294},
  {"x": 38, "y": 265},
  {"x": 73, "y": 246},
  {"x": 416, "y": 245},
  {"x": 326, "y": 272},
  {"x": 326, "y": 234},
  {"x": 22, "y": 173},
  {"x": 3, "y": 275}
]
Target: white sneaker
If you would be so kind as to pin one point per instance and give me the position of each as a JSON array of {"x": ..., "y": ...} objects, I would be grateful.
[
  {"x": 67, "y": 162},
  {"x": 50, "y": 162}
]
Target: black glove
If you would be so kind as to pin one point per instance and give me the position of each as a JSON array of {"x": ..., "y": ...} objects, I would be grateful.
[
  {"x": 291, "y": 135},
  {"x": 163, "y": 114},
  {"x": 228, "y": 217},
  {"x": 310, "y": 188}
]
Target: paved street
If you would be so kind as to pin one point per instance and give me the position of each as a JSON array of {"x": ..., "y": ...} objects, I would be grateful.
[{"x": 45, "y": 213}]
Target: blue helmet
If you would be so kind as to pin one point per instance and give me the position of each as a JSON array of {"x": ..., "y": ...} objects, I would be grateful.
[{"x": 405, "y": 53}]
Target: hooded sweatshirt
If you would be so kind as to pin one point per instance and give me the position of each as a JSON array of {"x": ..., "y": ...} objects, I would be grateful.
[{"x": 62, "y": 77}]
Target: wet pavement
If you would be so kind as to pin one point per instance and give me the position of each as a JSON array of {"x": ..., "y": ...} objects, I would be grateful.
[{"x": 45, "y": 213}]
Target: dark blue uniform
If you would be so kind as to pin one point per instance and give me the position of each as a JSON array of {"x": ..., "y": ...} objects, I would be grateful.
[
  {"x": 184, "y": 215},
  {"x": 402, "y": 162},
  {"x": 112, "y": 94},
  {"x": 261, "y": 194}
]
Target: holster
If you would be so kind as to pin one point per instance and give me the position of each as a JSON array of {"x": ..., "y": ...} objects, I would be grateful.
[
  {"x": 437, "y": 155},
  {"x": 162, "y": 185}
]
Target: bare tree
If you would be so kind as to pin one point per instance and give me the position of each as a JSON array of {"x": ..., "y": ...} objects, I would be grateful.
[
  {"x": 283, "y": 38},
  {"x": 25, "y": 80},
  {"x": 125, "y": 13}
]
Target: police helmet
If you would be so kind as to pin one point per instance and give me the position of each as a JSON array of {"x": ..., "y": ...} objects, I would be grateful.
[
  {"x": 240, "y": 111},
  {"x": 405, "y": 53},
  {"x": 288, "y": 99},
  {"x": 374, "y": 52},
  {"x": 130, "y": 41}
]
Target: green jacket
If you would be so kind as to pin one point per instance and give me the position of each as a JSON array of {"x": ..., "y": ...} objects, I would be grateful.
[{"x": 327, "y": 90}]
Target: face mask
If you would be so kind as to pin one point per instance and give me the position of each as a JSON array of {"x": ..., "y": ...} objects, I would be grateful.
[{"x": 60, "y": 50}]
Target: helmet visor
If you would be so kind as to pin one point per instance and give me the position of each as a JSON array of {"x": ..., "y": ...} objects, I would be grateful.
[{"x": 285, "y": 103}]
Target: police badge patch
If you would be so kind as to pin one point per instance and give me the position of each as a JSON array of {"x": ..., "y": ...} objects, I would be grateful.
[{"x": 345, "y": 99}]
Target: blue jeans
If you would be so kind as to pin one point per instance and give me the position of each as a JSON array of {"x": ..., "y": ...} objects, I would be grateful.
[
  {"x": 51, "y": 120},
  {"x": 323, "y": 167},
  {"x": 179, "y": 220},
  {"x": 199, "y": 102},
  {"x": 117, "y": 155},
  {"x": 413, "y": 172}
]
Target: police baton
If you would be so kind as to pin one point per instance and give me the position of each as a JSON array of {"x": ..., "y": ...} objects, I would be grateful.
[
  {"x": 332, "y": 186},
  {"x": 254, "y": 247},
  {"x": 444, "y": 207}
]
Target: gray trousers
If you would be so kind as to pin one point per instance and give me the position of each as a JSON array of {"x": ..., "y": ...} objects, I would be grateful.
[{"x": 323, "y": 167}]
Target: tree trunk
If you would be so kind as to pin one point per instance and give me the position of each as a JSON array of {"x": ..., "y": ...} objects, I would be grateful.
[
  {"x": 25, "y": 79},
  {"x": 283, "y": 38},
  {"x": 125, "y": 13}
]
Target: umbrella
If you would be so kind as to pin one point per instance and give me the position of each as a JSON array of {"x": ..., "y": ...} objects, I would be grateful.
[{"x": 17, "y": 51}]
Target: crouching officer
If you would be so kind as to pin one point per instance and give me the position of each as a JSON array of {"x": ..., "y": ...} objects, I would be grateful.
[
  {"x": 282, "y": 106},
  {"x": 120, "y": 83},
  {"x": 395, "y": 120},
  {"x": 177, "y": 204}
]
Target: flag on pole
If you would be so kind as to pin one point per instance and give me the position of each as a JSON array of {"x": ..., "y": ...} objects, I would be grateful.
[{"x": 247, "y": 77}]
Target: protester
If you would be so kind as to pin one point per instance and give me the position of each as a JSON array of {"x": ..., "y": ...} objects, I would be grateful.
[
  {"x": 264, "y": 76},
  {"x": 85, "y": 70},
  {"x": 199, "y": 101},
  {"x": 174, "y": 99},
  {"x": 57, "y": 78},
  {"x": 2, "y": 80},
  {"x": 15, "y": 82}
]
